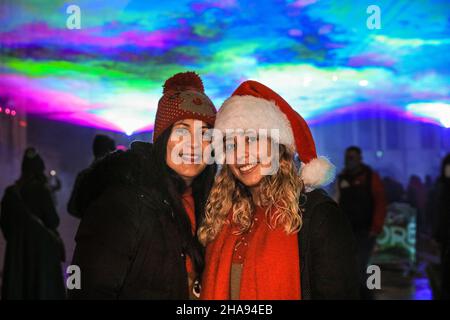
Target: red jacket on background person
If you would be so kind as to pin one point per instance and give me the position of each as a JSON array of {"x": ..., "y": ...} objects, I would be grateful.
[{"x": 361, "y": 196}]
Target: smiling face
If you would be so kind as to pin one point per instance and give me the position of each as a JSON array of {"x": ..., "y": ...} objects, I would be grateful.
[
  {"x": 249, "y": 158},
  {"x": 185, "y": 149}
]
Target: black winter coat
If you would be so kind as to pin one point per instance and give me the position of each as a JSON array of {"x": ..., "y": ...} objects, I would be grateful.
[
  {"x": 72, "y": 208},
  {"x": 34, "y": 251},
  {"x": 127, "y": 244},
  {"x": 328, "y": 262}
]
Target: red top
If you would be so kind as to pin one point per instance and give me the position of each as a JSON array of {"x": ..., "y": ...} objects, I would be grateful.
[
  {"x": 189, "y": 207},
  {"x": 241, "y": 246}
]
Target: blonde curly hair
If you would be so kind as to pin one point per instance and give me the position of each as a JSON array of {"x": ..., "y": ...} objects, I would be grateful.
[{"x": 280, "y": 191}]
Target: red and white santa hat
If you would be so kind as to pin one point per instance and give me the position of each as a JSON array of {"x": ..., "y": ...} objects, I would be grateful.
[{"x": 255, "y": 106}]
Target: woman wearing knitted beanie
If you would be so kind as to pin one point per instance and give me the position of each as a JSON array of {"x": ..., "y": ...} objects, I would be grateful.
[
  {"x": 270, "y": 231},
  {"x": 141, "y": 208}
]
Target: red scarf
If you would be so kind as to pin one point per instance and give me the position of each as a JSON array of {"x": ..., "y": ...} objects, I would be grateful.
[
  {"x": 271, "y": 270},
  {"x": 189, "y": 207}
]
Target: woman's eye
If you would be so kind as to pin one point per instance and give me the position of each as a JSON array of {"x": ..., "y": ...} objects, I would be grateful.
[
  {"x": 229, "y": 147},
  {"x": 181, "y": 131},
  {"x": 207, "y": 135}
]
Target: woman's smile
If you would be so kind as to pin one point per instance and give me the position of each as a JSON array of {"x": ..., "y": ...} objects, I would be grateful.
[{"x": 248, "y": 168}]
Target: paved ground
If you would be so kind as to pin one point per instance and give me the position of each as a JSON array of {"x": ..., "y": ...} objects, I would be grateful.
[{"x": 416, "y": 282}]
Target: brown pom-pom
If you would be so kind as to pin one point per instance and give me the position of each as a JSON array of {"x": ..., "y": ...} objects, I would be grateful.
[{"x": 183, "y": 81}]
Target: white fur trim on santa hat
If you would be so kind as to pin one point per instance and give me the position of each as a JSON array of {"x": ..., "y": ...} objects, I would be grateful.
[
  {"x": 249, "y": 112},
  {"x": 318, "y": 172}
]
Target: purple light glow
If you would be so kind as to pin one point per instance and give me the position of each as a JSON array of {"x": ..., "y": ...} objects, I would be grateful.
[
  {"x": 371, "y": 59},
  {"x": 52, "y": 104},
  {"x": 42, "y": 34},
  {"x": 366, "y": 110}
]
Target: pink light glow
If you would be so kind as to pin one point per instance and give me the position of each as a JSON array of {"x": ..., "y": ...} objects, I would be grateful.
[
  {"x": 223, "y": 4},
  {"x": 57, "y": 105},
  {"x": 121, "y": 147},
  {"x": 371, "y": 59},
  {"x": 41, "y": 33},
  {"x": 145, "y": 129},
  {"x": 86, "y": 120},
  {"x": 302, "y": 3},
  {"x": 295, "y": 32}
]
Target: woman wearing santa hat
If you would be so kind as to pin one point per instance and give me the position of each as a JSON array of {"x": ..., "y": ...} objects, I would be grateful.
[{"x": 277, "y": 235}]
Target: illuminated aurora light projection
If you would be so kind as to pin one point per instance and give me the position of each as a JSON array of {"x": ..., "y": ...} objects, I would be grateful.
[{"x": 319, "y": 55}]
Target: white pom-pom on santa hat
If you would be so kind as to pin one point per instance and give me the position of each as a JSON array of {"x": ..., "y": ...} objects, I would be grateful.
[
  {"x": 318, "y": 172},
  {"x": 255, "y": 106}
]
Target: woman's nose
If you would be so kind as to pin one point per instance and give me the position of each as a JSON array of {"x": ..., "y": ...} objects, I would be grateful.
[
  {"x": 243, "y": 152},
  {"x": 196, "y": 141}
]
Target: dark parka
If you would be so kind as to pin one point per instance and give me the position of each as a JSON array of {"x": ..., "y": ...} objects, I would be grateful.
[
  {"x": 328, "y": 263},
  {"x": 34, "y": 250},
  {"x": 127, "y": 244}
]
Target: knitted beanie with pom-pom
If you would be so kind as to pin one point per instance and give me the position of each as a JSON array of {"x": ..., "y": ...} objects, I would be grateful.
[{"x": 183, "y": 98}]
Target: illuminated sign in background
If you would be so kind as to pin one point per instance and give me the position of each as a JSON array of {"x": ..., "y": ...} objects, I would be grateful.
[
  {"x": 320, "y": 55},
  {"x": 397, "y": 242}
]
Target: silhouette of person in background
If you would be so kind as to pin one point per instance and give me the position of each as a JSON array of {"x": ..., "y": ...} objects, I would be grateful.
[
  {"x": 442, "y": 227},
  {"x": 428, "y": 182},
  {"x": 394, "y": 191},
  {"x": 416, "y": 197},
  {"x": 101, "y": 146},
  {"x": 34, "y": 249},
  {"x": 429, "y": 218},
  {"x": 361, "y": 196}
]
